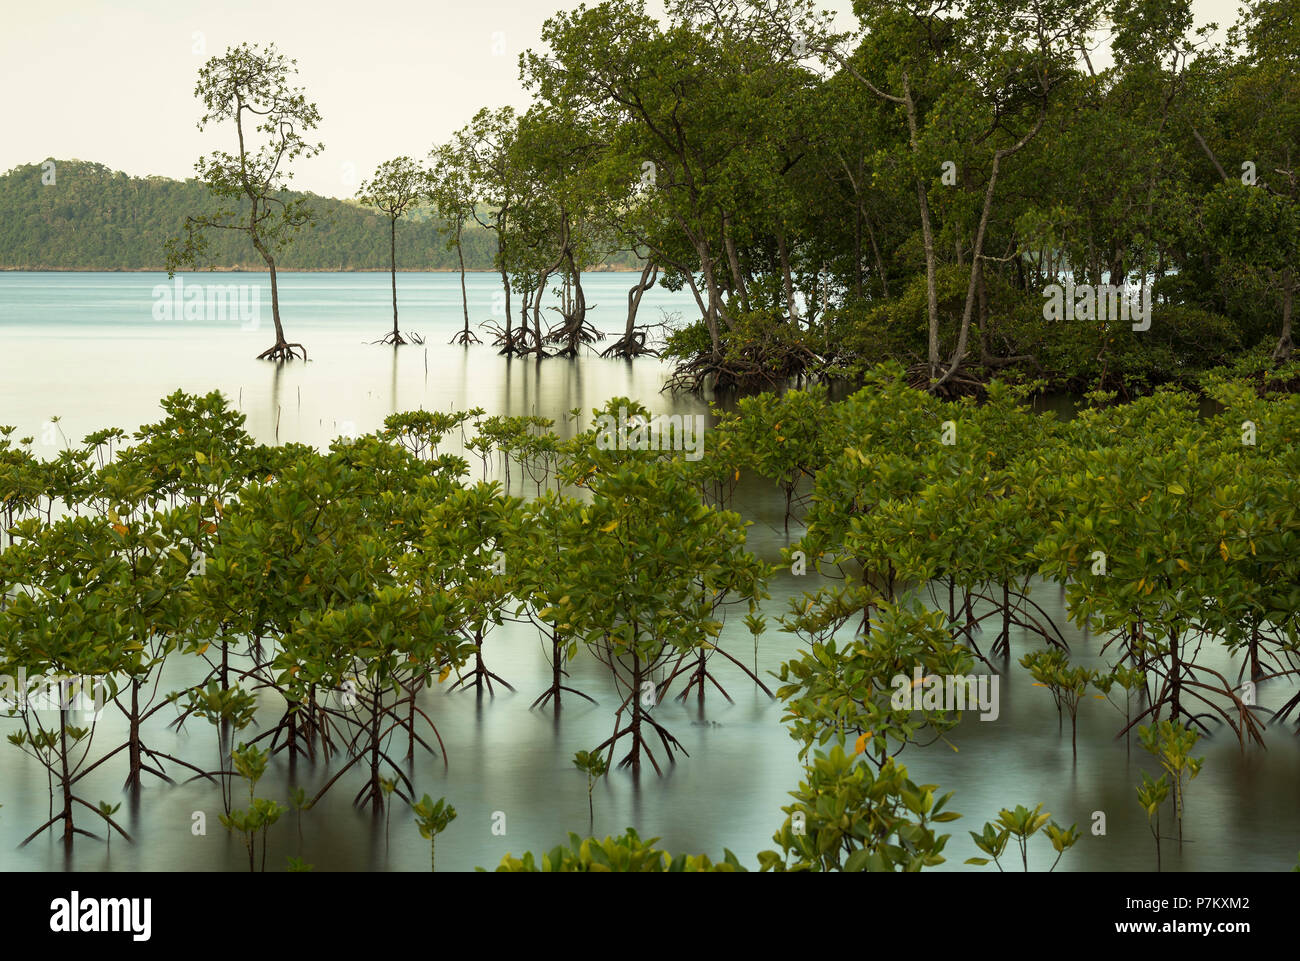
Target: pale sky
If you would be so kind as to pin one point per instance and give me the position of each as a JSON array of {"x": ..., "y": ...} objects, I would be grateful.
[{"x": 114, "y": 82}]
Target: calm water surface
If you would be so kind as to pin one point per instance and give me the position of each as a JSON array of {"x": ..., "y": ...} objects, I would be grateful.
[{"x": 86, "y": 349}]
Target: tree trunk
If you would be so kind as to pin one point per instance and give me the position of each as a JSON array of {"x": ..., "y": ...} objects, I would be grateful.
[
  {"x": 651, "y": 270},
  {"x": 1282, "y": 352},
  {"x": 636, "y": 713},
  {"x": 857, "y": 250},
  {"x": 135, "y": 762},
  {"x": 65, "y": 779},
  {"x": 977, "y": 254},
  {"x": 392, "y": 262},
  {"x": 733, "y": 260},
  {"x": 690, "y": 282},
  {"x": 715, "y": 298},
  {"x": 376, "y": 794},
  {"x": 927, "y": 236},
  {"x": 505, "y": 268},
  {"x": 464, "y": 295},
  {"x": 787, "y": 283},
  {"x": 275, "y": 299},
  {"x": 875, "y": 251}
]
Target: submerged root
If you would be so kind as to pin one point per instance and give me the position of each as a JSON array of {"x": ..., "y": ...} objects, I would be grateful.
[
  {"x": 572, "y": 333},
  {"x": 283, "y": 351},
  {"x": 517, "y": 342},
  {"x": 958, "y": 385},
  {"x": 630, "y": 346},
  {"x": 395, "y": 339}
]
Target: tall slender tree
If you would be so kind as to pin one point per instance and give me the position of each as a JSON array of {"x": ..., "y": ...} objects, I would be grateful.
[
  {"x": 448, "y": 189},
  {"x": 250, "y": 86},
  {"x": 397, "y": 185}
]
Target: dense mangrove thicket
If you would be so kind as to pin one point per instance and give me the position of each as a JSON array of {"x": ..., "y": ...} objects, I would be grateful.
[
  {"x": 333, "y": 591},
  {"x": 1096, "y": 194}
]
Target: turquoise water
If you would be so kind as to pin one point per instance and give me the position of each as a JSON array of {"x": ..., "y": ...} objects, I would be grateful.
[{"x": 86, "y": 348}]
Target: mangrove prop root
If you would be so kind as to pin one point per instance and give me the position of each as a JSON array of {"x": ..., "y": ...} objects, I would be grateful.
[
  {"x": 283, "y": 351},
  {"x": 629, "y": 347},
  {"x": 395, "y": 339}
]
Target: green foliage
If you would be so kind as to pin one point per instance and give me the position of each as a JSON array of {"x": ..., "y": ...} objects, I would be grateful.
[
  {"x": 1151, "y": 795},
  {"x": 848, "y": 691},
  {"x": 256, "y": 819},
  {"x": 848, "y": 817},
  {"x": 432, "y": 818},
  {"x": 627, "y": 852},
  {"x": 344, "y": 585},
  {"x": 1021, "y": 824},
  {"x": 591, "y": 763},
  {"x": 1068, "y": 685},
  {"x": 1171, "y": 743}
]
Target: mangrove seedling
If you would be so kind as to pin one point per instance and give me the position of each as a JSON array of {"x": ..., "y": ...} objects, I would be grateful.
[
  {"x": 1172, "y": 742},
  {"x": 1152, "y": 794},
  {"x": 250, "y": 762},
  {"x": 593, "y": 764},
  {"x": 1051, "y": 669},
  {"x": 108, "y": 810},
  {"x": 433, "y": 818},
  {"x": 1022, "y": 824}
]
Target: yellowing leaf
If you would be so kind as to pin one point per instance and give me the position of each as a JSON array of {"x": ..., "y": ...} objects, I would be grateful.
[
  {"x": 443, "y": 676},
  {"x": 609, "y": 527},
  {"x": 1223, "y": 550},
  {"x": 201, "y": 457},
  {"x": 860, "y": 744},
  {"x": 1184, "y": 565},
  {"x": 1176, "y": 489}
]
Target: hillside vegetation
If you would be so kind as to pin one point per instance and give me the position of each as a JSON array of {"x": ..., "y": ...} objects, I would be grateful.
[{"x": 94, "y": 218}]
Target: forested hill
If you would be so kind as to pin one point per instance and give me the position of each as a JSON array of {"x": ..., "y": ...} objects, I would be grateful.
[{"x": 94, "y": 218}]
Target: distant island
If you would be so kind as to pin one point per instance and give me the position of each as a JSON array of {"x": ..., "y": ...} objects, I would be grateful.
[{"x": 95, "y": 218}]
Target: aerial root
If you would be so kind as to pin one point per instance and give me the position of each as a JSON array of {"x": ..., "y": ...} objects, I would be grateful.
[{"x": 283, "y": 351}]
